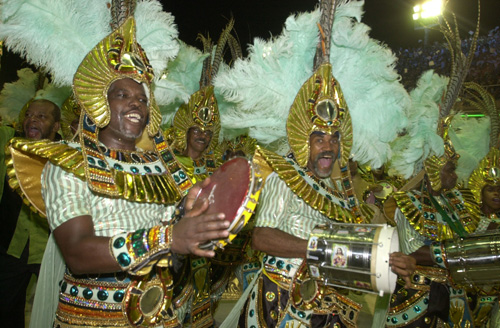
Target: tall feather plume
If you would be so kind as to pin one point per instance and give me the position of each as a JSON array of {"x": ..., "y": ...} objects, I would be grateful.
[
  {"x": 421, "y": 138},
  {"x": 460, "y": 63},
  {"x": 219, "y": 50},
  {"x": 327, "y": 9},
  {"x": 484, "y": 101},
  {"x": 120, "y": 10},
  {"x": 212, "y": 63},
  {"x": 56, "y": 35},
  {"x": 234, "y": 47},
  {"x": 469, "y": 136},
  {"x": 264, "y": 85},
  {"x": 207, "y": 63},
  {"x": 179, "y": 81}
]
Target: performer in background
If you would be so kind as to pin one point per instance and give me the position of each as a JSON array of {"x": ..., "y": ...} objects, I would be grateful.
[{"x": 24, "y": 233}]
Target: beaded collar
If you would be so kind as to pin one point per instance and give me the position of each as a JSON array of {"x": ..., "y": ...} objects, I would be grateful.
[
  {"x": 418, "y": 209},
  {"x": 314, "y": 192},
  {"x": 198, "y": 169},
  {"x": 135, "y": 176}
]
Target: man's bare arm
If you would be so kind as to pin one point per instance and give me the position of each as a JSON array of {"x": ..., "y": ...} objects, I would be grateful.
[{"x": 278, "y": 243}]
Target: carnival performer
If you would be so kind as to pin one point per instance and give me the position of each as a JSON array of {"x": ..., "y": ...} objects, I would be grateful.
[
  {"x": 484, "y": 184},
  {"x": 100, "y": 190},
  {"x": 430, "y": 209},
  {"x": 24, "y": 232},
  {"x": 310, "y": 186},
  {"x": 196, "y": 124},
  {"x": 433, "y": 212},
  {"x": 264, "y": 86},
  {"x": 195, "y": 133}
]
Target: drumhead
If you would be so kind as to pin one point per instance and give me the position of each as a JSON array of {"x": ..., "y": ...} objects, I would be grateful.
[{"x": 230, "y": 189}]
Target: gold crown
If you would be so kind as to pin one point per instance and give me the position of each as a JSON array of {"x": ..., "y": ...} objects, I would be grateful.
[
  {"x": 487, "y": 173},
  {"x": 319, "y": 106},
  {"x": 116, "y": 57},
  {"x": 201, "y": 111}
]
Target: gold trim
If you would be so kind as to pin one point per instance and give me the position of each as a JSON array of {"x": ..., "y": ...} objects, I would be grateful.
[
  {"x": 431, "y": 228},
  {"x": 28, "y": 158},
  {"x": 487, "y": 173},
  {"x": 305, "y": 116},
  {"x": 270, "y": 161}
]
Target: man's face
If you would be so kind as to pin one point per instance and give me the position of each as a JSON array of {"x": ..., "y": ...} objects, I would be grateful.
[
  {"x": 198, "y": 140},
  {"x": 491, "y": 197},
  {"x": 129, "y": 108},
  {"x": 448, "y": 176},
  {"x": 323, "y": 151},
  {"x": 39, "y": 122}
]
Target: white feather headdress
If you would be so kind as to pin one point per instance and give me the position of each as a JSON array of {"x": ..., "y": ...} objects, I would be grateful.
[
  {"x": 56, "y": 35},
  {"x": 421, "y": 138},
  {"x": 264, "y": 85}
]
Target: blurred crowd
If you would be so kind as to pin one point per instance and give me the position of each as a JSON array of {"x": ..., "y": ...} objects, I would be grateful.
[{"x": 485, "y": 67}]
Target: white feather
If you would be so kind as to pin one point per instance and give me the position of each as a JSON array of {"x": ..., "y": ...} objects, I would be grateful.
[
  {"x": 56, "y": 35},
  {"x": 265, "y": 84},
  {"x": 421, "y": 139}
]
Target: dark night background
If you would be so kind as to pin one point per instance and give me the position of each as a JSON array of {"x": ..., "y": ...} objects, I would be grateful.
[{"x": 390, "y": 21}]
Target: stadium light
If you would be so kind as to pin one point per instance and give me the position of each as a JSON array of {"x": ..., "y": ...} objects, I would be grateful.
[
  {"x": 428, "y": 9},
  {"x": 427, "y": 14}
]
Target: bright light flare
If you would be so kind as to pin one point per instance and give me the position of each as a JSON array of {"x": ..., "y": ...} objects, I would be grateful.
[{"x": 427, "y": 9}]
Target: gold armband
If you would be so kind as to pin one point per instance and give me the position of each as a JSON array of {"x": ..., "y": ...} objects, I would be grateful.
[{"x": 136, "y": 250}]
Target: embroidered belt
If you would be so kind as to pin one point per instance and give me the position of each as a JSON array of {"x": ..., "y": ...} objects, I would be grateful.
[
  {"x": 92, "y": 302},
  {"x": 108, "y": 301}
]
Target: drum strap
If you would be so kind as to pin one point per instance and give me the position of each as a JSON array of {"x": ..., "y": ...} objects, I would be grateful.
[{"x": 455, "y": 225}]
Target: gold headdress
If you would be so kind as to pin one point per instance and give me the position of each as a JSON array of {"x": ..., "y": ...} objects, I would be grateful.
[
  {"x": 487, "y": 173},
  {"x": 433, "y": 164},
  {"x": 241, "y": 144},
  {"x": 320, "y": 104},
  {"x": 202, "y": 110},
  {"x": 116, "y": 57},
  {"x": 70, "y": 111}
]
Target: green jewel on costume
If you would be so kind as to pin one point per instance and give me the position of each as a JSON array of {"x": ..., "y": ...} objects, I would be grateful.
[
  {"x": 339, "y": 204},
  {"x": 423, "y": 216}
]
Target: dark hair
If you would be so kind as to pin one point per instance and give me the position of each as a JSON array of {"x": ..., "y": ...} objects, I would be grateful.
[{"x": 56, "y": 112}]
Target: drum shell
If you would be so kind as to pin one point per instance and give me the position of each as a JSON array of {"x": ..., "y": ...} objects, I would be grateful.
[
  {"x": 366, "y": 250},
  {"x": 474, "y": 261}
]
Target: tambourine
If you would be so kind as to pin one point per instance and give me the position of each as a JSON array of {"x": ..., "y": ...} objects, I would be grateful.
[{"x": 234, "y": 190}]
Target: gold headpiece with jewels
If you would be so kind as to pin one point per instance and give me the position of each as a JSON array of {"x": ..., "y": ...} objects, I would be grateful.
[
  {"x": 201, "y": 111},
  {"x": 487, "y": 173},
  {"x": 319, "y": 106},
  {"x": 242, "y": 144},
  {"x": 433, "y": 164},
  {"x": 116, "y": 57},
  {"x": 70, "y": 111}
]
